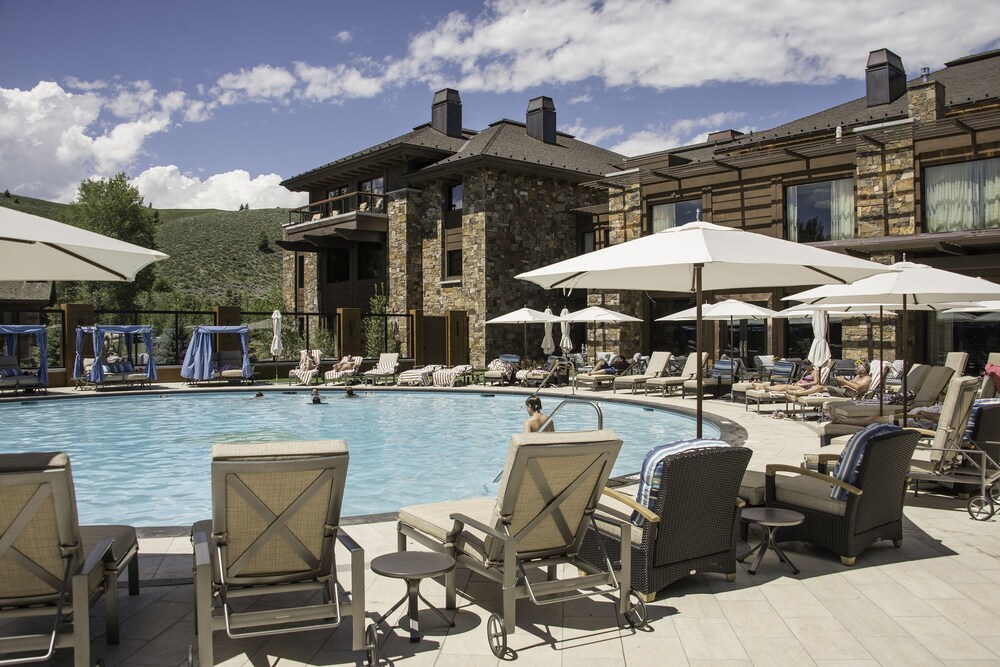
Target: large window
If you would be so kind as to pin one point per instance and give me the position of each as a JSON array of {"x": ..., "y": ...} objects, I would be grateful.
[
  {"x": 371, "y": 261},
  {"x": 962, "y": 196},
  {"x": 820, "y": 211},
  {"x": 340, "y": 205},
  {"x": 370, "y": 194},
  {"x": 665, "y": 216},
  {"x": 453, "y": 232}
]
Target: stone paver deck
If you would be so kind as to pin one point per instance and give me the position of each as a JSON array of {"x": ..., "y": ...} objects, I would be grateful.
[{"x": 928, "y": 603}]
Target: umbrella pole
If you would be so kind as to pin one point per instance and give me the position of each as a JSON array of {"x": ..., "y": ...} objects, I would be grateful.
[
  {"x": 906, "y": 338},
  {"x": 698, "y": 342},
  {"x": 881, "y": 363},
  {"x": 524, "y": 343}
]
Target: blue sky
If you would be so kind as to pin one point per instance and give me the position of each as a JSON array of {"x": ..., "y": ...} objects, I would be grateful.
[{"x": 212, "y": 104}]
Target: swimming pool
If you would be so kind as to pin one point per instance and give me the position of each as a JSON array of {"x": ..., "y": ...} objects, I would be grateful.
[{"x": 144, "y": 460}]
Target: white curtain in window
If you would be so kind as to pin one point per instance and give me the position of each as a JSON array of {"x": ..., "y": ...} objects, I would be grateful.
[
  {"x": 949, "y": 197},
  {"x": 664, "y": 217},
  {"x": 991, "y": 192},
  {"x": 792, "y": 212},
  {"x": 842, "y": 209}
]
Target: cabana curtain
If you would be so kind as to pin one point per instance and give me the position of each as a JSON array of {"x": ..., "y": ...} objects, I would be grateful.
[
  {"x": 10, "y": 332},
  {"x": 198, "y": 364},
  {"x": 97, "y": 333}
]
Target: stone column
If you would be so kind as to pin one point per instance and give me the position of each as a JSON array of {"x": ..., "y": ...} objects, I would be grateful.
[{"x": 403, "y": 258}]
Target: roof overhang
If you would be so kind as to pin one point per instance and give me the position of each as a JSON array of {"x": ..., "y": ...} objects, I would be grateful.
[
  {"x": 463, "y": 165},
  {"x": 947, "y": 243},
  {"x": 363, "y": 165}
]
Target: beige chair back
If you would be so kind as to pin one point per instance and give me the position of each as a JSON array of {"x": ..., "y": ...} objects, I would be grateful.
[
  {"x": 276, "y": 509},
  {"x": 551, "y": 483},
  {"x": 39, "y": 529},
  {"x": 657, "y": 365},
  {"x": 934, "y": 383},
  {"x": 954, "y": 418},
  {"x": 691, "y": 364}
]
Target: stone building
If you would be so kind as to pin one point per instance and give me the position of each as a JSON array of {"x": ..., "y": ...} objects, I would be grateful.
[
  {"x": 911, "y": 169},
  {"x": 444, "y": 217}
]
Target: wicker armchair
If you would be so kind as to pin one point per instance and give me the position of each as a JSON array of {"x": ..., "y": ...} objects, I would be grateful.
[
  {"x": 692, "y": 527},
  {"x": 874, "y": 507}
]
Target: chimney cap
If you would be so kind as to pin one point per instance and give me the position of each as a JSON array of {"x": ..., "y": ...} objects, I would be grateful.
[
  {"x": 541, "y": 102},
  {"x": 885, "y": 57},
  {"x": 447, "y": 95}
]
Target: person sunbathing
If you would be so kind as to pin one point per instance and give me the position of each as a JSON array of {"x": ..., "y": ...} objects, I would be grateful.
[
  {"x": 857, "y": 386},
  {"x": 345, "y": 364},
  {"x": 810, "y": 378}
]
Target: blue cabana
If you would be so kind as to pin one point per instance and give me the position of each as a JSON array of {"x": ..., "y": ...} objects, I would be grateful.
[
  {"x": 97, "y": 335},
  {"x": 198, "y": 364},
  {"x": 10, "y": 332}
]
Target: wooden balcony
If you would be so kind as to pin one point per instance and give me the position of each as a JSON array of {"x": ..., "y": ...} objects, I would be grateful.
[{"x": 350, "y": 204}]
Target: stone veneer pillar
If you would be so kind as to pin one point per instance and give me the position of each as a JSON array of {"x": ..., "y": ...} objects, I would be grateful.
[
  {"x": 625, "y": 223},
  {"x": 403, "y": 258}
]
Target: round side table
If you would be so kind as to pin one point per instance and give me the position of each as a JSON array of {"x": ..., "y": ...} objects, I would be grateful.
[
  {"x": 412, "y": 566},
  {"x": 771, "y": 518}
]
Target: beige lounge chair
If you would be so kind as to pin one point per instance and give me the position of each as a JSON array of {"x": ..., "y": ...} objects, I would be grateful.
[
  {"x": 308, "y": 368},
  {"x": 657, "y": 367},
  {"x": 551, "y": 485},
  {"x": 230, "y": 365},
  {"x": 957, "y": 361},
  {"x": 345, "y": 375},
  {"x": 927, "y": 393},
  {"x": 385, "y": 370},
  {"x": 669, "y": 383},
  {"x": 275, "y": 522},
  {"x": 420, "y": 377},
  {"x": 600, "y": 379},
  {"x": 49, "y": 565}
]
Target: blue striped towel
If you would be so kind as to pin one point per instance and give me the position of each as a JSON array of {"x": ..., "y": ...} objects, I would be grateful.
[
  {"x": 652, "y": 469},
  {"x": 849, "y": 461}
]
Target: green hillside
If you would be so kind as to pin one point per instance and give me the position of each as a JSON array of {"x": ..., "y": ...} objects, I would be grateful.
[
  {"x": 215, "y": 251},
  {"x": 212, "y": 252}
]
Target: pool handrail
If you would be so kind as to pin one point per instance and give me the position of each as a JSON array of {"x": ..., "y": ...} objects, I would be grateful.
[{"x": 597, "y": 408}]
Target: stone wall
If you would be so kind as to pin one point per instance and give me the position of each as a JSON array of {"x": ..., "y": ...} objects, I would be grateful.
[
  {"x": 624, "y": 224},
  {"x": 404, "y": 259}
]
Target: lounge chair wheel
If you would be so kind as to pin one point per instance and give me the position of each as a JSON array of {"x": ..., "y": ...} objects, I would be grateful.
[
  {"x": 635, "y": 615},
  {"x": 995, "y": 492},
  {"x": 371, "y": 644},
  {"x": 496, "y": 634},
  {"x": 981, "y": 508}
]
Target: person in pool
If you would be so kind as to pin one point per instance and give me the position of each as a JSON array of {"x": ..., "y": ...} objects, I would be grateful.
[
  {"x": 315, "y": 396},
  {"x": 349, "y": 392},
  {"x": 259, "y": 394},
  {"x": 535, "y": 416}
]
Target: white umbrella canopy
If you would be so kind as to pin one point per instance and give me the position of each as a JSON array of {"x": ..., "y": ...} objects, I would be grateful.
[
  {"x": 907, "y": 285},
  {"x": 730, "y": 309},
  {"x": 276, "y": 346},
  {"x": 598, "y": 314},
  {"x": 36, "y": 248},
  {"x": 524, "y": 316},
  {"x": 565, "y": 343},
  {"x": 548, "y": 345},
  {"x": 977, "y": 307},
  {"x": 702, "y": 256}
]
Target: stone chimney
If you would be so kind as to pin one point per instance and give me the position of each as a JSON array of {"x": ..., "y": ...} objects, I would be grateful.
[
  {"x": 925, "y": 100},
  {"x": 446, "y": 112},
  {"x": 541, "y": 119},
  {"x": 885, "y": 78}
]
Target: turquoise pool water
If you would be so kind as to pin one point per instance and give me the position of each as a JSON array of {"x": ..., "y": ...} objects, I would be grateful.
[{"x": 144, "y": 460}]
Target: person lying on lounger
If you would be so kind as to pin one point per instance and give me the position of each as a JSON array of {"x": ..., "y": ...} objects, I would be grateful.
[
  {"x": 345, "y": 364},
  {"x": 810, "y": 378},
  {"x": 857, "y": 386}
]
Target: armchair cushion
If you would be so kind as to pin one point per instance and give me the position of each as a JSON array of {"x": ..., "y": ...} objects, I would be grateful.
[
  {"x": 652, "y": 470},
  {"x": 808, "y": 492},
  {"x": 849, "y": 461},
  {"x": 434, "y": 519}
]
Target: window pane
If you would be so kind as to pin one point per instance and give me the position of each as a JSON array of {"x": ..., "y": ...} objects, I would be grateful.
[
  {"x": 665, "y": 216},
  {"x": 820, "y": 211},
  {"x": 454, "y": 264},
  {"x": 962, "y": 196},
  {"x": 587, "y": 242},
  {"x": 455, "y": 197},
  {"x": 371, "y": 260},
  {"x": 338, "y": 265}
]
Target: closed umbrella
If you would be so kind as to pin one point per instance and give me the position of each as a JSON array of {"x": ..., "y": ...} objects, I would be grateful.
[
  {"x": 548, "y": 344},
  {"x": 276, "y": 346},
  {"x": 819, "y": 353},
  {"x": 699, "y": 256},
  {"x": 565, "y": 343},
  {"x": 524, "y": 316},
  {"x": 36, "y": 248},
  {"x": 908, "y": 284}
]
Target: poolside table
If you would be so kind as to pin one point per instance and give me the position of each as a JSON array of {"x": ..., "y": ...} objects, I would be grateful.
[
  {"x": 412, "y": 566},
  {"x": 770, "y": 518}
]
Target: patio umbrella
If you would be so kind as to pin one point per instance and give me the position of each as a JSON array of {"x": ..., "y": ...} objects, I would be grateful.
[
  {"x": 276, "y": 346},
  {"x": 524, "y": 316},
  {"x": 730, "y": 309},
  {"x": 565, "y": 343},
  {"x": 819, "y": 353},
  {"x": 548, "y": 345},
  {"x": 907, "y": 285},
  {"x": 699, "y": 256},
  {"x": 598, "y": 315},
  {"x": 36, "y": 248}
]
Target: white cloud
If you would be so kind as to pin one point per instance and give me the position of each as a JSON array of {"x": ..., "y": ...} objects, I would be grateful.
[
  {"x": 682, "y": 132},
  {"x": 581, "y": 99},
  {"x": 168, "y": 187},
  {"x": 78, "y": 84},
  {"x": 260, "y": 84},
  {"x": 344, "y": 36},
  {"x": 133, "y": 100},
  {"x": 339, "y": 82},
  {"x": 593, "y": 135}
]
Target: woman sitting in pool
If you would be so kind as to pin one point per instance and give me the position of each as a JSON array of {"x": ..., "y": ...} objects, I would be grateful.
[{"x": 535, "y": 416}]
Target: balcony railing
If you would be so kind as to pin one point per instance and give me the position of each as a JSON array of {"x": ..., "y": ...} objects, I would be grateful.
[{"x": 352, "y": 202}]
